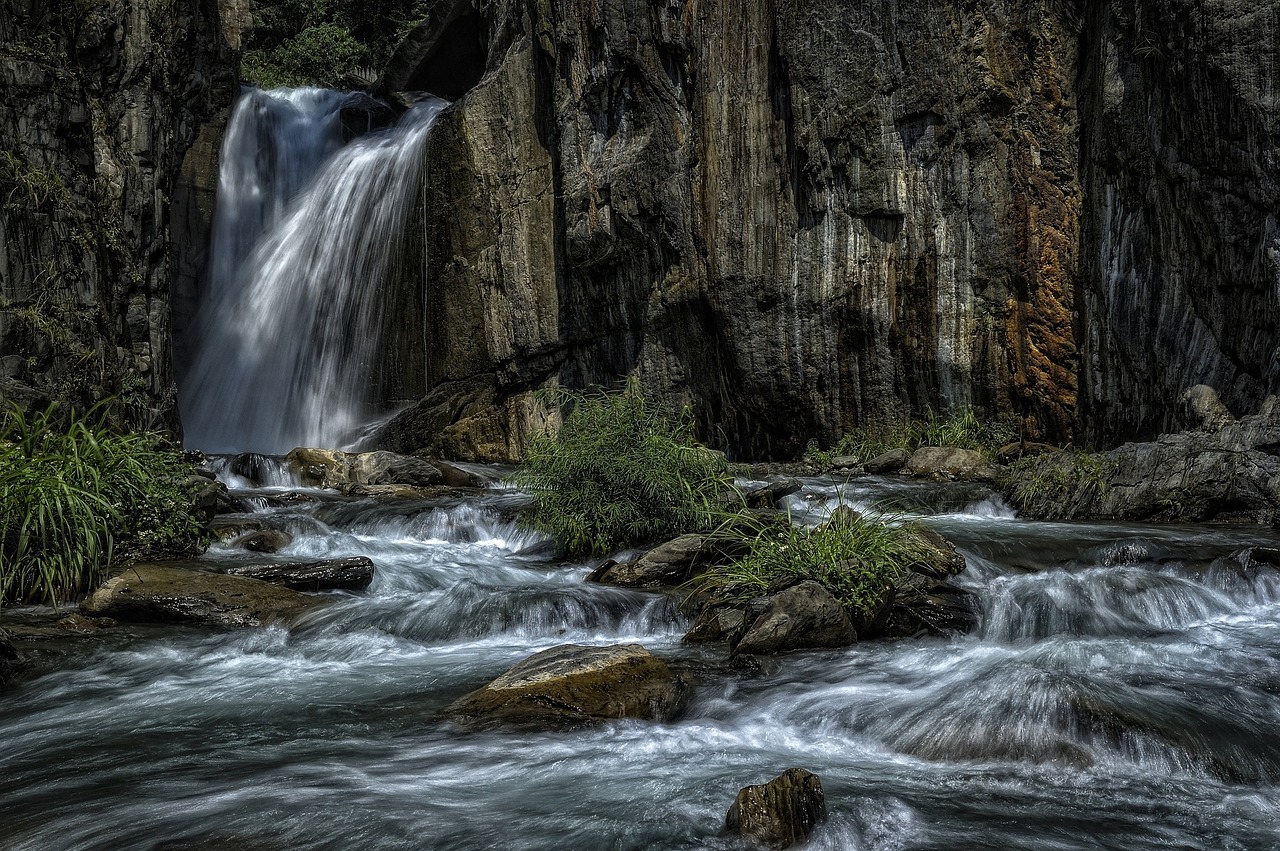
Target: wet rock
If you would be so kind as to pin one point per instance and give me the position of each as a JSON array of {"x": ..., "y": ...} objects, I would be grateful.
[
  {"x": 228, "y": 528},
  {"x": 802, "y": 617},
  {"x": 80, "y": 624},
  {"x": 719, "y": 624},
  {"x": 252, "y": 466},
  {"x": 888, "y": 462},
  {"x": 573, "y": 685},
  {"x": 454, "y": 476},
  {"x": 1023, "y": 449},
  {"x": 948, "y": 462},
  {"x": 942, "y": 560},
  {"x": 781, "y": 813},
  {"x": 157, "y": 593},
  {"x": 668, "y": 564},
  {"x": 767, "y": 495},
  {"x": 264, "y": 541},
  {"x": 344, "y": 574},
  {"x": 208, "y": 498},
  {"x": 844, "y": 464},
  {"x": 332, "y": 468},
  {"x": 925, "y": 606},
  {"x": 8, "y": 659}
]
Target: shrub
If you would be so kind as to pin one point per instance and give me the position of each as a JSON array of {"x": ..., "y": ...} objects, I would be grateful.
[
  {"x": 317, "y": 56},
  {"x": 619, "y": 473},
  {"x": 75, "y": 497},
  {"x": 961, "y": 428},
  {"x": 1047, "y": 486},
  {"x": 855, "y": 558}
]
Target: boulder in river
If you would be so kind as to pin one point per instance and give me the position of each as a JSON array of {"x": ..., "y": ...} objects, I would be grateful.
[
  {"x": 157, "y": 593},
  {"x": 263, "y": 541},
  {"x": 343, "y": 574},
  {"x": 332, "y": 468},
  {"x": 948, "y": 462},
  {"x": 887, "y": 462},
  {"x": 572, "y": 685},
  {"x": 781, "y": 813},
  {"x": 804, "y": 616},
  {"x": 670, "y": 563},
  {"x": 768, "y": 494}
]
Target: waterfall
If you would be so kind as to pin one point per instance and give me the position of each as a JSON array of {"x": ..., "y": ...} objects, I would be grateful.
[{"x": 289, "y": 330}]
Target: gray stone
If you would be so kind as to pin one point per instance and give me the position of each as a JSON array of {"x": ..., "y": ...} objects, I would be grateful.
[
  {"x": 888, "y": 462},
  {"x": 781, "y": 813},
  {"x": 670, "y": 563},
  {"x": 263, "y": 541},
  {"x": 802, "y": 617},
  {"x": 948, "y": 462},
  {"x": 156, "y": 593},
  {"x": 345, "y": 574},
  {"x": 572, "y": 685}
]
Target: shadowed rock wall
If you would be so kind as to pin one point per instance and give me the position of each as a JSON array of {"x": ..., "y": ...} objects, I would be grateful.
[
  {"x": 795, "y": 216},
  {"x": 99, "y": 103}
]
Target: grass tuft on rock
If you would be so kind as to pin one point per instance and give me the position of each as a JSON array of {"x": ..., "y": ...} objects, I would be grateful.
[
  {"x": 962, "y": 428},
  {"x": 75, "y": 496},
  {"x": 620, "y": 473},
  {"x": 857, "y": 559}
]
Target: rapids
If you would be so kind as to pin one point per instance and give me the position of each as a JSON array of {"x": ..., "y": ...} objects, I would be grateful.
[{"x": 1121, "y": 693}]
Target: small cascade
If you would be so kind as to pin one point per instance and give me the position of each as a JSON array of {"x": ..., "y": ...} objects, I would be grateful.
[{"x": 290, "y": 332}]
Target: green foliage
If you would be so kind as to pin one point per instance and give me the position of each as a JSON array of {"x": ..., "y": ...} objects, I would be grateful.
[
  {"x": 961, "y": 428},
  {"x": 74, "y": 497},
  {"x": 24, "y": 186},
  {"x": 317, "y": 56},
  {"x": 1046, "y": 485},
  {"x": 855, "y": 558},
  {"x": 620, "y": 473}
]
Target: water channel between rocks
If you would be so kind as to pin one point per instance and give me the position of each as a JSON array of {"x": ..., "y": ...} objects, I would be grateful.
[{"x": 1121, "y": 692}]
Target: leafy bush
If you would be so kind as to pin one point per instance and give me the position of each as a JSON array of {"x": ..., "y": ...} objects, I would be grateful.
[
  {"x": 620, "y": 473},
  {"x": 74, "y": 497},
  {"x": 855, "y": 558},
  {"x": 961, "y": 428},
  {"x": 317, "y": 56}
]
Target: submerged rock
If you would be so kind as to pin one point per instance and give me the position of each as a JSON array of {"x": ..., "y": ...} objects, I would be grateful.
[
  {"x": 572, "y": 685},
  {"x": 781, "y": 813},
  {"x": 925, "y": 606},
  {"x": 804, "y": 616},
  {"x": 343, "y": 574},
  {"x": 157, "y": 593}
]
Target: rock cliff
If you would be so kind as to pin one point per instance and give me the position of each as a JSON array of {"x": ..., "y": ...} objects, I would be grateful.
[
  {"x": 800, "y": 216},
  {"x": 99, "y": 104}
]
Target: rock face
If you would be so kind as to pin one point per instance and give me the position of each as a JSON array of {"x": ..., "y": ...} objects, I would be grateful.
[
  {"x": 99, "y": 105},
  {"x": 155, "y": 593},
  {"x": 1232, "y": 474},
  {"x": 800, "y": 216},
  {"x": 572, "y": 685},
  {"x": 780, "y": 813}
]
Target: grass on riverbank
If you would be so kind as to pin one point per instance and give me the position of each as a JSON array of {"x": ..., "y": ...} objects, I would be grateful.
[
  {"x": 75, "y": 496},
  {"x": 619, "y": 473},
  {"x": 962, "y": 428}
]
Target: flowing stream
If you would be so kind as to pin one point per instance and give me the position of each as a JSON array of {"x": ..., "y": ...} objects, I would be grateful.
[{"x": 1120, "y": 693}]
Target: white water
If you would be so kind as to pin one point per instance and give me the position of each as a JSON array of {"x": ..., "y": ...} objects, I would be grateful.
[
  {"x": 1119, "y": 694},
  {"x": 290, "y": 333}
]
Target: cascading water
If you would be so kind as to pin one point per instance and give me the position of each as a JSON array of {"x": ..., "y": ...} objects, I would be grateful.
[{"x": 290, "y": 330}]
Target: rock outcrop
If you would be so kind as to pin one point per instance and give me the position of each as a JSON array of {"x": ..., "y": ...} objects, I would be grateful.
[
  {"x": 572, "y": 685},
  {"x": 781, "y": 813},
  {"x": 1231, "y": 474},
  {"x": 156, "y": 593},
  {"x": 100, "y": 104},
  {"x": 802, "y": 216}
]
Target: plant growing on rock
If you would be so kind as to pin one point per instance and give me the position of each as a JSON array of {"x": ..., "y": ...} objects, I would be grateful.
[
  {"x": 1048, "y": 485},
  {"x": 75, "y": 496},
  {"x": 857, "y": 559},
  {"x": 620, "y": 472},
  {"x": 961, "y": 428}
]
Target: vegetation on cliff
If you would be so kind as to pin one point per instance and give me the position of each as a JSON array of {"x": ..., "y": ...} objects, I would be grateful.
[
  {"x": 319, "y": 42},
  {"x": 76, "y": 496},
  {"x": 620, "y": 472}
]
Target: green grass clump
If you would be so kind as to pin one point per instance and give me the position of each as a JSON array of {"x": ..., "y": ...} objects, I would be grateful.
[
  {"x": 1047, "y": 486},
  {"x": 620, "y": 473},
  {"x": 855, "y": 558},
  {"x": 74, "y": 497},
  {"x": 962, "y": 428}
]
